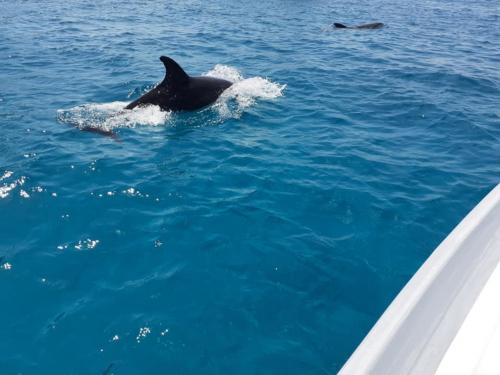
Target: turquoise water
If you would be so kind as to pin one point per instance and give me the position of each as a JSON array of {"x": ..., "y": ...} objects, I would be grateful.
[{"x": 264, "y": 234}]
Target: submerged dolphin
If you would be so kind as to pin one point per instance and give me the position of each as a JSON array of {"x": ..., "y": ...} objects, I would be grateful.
[
  {"x": 180, "y": 92},
  {"x": 375, "y": 25}
]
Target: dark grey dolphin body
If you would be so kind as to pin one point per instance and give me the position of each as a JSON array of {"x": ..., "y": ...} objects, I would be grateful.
[
  {"x": 180, "y": 92},
  {"x": 375, "y": 25}
]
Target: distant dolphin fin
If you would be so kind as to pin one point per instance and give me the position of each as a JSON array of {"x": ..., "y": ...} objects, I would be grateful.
[
  {"x": 175, "y": 75},
  {"x": 340, "y": 25}
]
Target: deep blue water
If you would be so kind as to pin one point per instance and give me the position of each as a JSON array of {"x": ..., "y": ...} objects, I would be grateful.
[{"x": 265, "y": 234}]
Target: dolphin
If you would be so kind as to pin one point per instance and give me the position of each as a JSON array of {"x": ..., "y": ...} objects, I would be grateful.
[
  {"x": 375, "y": 25},
  {"x": 106, "y": 133},
  {"x": 180, "y": 92}
]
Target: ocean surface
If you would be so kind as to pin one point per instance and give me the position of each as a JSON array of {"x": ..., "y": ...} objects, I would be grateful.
[{"x": 264, "y": 234}]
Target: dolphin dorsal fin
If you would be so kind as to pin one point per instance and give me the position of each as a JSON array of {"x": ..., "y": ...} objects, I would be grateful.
[
  {"x": 175, "y": 74},
  {"x": 339, "y": 25}
]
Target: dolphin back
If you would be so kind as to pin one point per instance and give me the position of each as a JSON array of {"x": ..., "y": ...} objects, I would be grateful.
[{"x": 374, "y": 25}]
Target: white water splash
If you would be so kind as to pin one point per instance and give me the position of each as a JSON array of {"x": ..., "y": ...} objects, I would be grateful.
[
  {"x": 86, "y": 244},
  {"x": 6, "y": 266},
  {"x": 107, "y": 116},
  {"x": 241, "y": 95},
  {"x": 6, "y": 174},
  {"x": 143, "y": 333},
  {"x": 225, "y": 72},
  {"x": 6, "y": 187}
]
